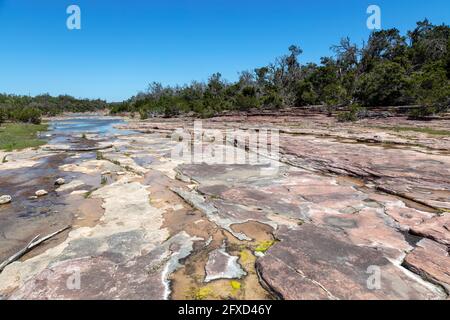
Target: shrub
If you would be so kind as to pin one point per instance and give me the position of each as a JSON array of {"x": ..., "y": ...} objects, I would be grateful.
[
  {"x": 352, "y": 115},
  {"x": 247, "y": 99},
  {"x": 143, "y": 113},
  {"x": 171, "y": 111},
  {"x": 28, "y": 115},
  {"x": 385, "y": 85},
  {"x": 272, "y": 100},
  {"x": 207, "y": 113},
  {"x": 422, "y": 112},
  {"x": 431, "y": 87},
  {"x": 3, "y": 115}
]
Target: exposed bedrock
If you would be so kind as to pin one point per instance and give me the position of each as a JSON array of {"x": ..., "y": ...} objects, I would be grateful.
[
  {"x": 431, "y": 260},
  {"x": 128, "y": 255},
  {"x": 323, "y": 219},
  {"x": 351, "y": 212},
  {"x": 437, "y": 229},
  {"x": 221, "y": 265},
  {"x": 403, "y": 172},
  {"x": 315, "y": 263}
]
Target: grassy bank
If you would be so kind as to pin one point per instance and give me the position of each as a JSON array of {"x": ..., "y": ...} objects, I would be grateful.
[
  {"x": 16, "y": 136},
  {"x": 427, "y": 130}
]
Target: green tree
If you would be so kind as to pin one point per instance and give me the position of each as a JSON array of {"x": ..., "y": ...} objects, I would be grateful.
[
  {"x": 305, "y": 94},
  {"x": 384, "y": 45},
  {"x": 428, "y": 43},
  {"x": 431, "y": 89},
  {"x": 334, "y": 95},
  {"x": 385, "y": 85},
  {"x": 247, "y": 99},
  {"x": 27, "y": 115},
  {"x": 3, "y": 114}
]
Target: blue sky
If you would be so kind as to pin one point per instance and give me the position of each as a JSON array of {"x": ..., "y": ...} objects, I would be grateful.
[{"x": 124, "y": 45}]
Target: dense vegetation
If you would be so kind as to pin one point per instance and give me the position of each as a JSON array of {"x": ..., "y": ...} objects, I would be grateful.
[
  {"x": 389, "y": 70},
  {"x": 30, "y": 109}
]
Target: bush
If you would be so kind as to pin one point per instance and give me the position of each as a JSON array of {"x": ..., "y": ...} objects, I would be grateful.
[
  {"x": 335, "y": 94},
  {"x": 305, "y": 94},
  {"x": 390, "y": 69},
  {"x": 119, "y": 108},
  {"x": 386, "y": 85},
  {"x": 207, "y": 113},
  {"x": 171, "y": 111},
  {"x": 431, "y": 87},
  {"x": 354, "y": 114},
  {"x": 28, "y": 115},
  {"x": 143, "y": 114},
  {"x": 247, "y": 99},
  {"x": 422, "y": 112},
  {"x": 272, "y": 100},
  {"x": 3, "y": 115}
]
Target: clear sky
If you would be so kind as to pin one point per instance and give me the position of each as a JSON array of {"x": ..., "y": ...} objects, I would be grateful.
[{"x": 124, "y": 45}]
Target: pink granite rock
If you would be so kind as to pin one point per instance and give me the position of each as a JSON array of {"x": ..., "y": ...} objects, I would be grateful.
[
  {"x": 431, "y": 260},
  {"x": 316, "y": 263},
  {"x": 437, "y": 229}
]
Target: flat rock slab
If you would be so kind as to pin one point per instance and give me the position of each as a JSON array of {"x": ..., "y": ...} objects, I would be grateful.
[
  {"x": 431, "y": 260},
  {"x": 129, "y": 227},
  {"x": 399, "y": 171},
  {"x": 221, "y": 265},
  {"x": 240, "y": 194},
  {"x": 317, "y": 263},
  {"x": 437, "y": 229},
  {"x": 94, "y": 278},
  {"x": 102, "y": 277},
  {"x": 70, "y": 186}
]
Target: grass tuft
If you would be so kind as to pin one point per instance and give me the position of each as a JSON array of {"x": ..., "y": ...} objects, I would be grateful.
[
  {"x": 17, "y": 136},
  {"x": 427, "y": 130}
]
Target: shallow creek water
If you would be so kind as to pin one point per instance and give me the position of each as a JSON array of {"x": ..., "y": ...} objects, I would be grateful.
[
  {"x": 98, "y": 125},
  {"x": 28, "y": 216}
]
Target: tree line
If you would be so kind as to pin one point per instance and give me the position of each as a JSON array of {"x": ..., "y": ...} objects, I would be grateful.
[
  {"x": 31, "y": 109},
  {"x": 389, "y": 69}
]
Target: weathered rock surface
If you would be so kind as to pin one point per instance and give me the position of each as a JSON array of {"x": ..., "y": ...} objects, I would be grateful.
[
  {"x": 346, "y": 201},
  {"x": 314, "y": 263},
  {"x": 431, "y": 260},
  {"x": 403, "y": 172},
  {"x": 112, "y": 253},
  {"x": 437, "y": 229},
  {"x": 221, "y": 265},
  {"x": 105, "y": 276},
  {"x": 70, "y": 186},
  {"x": 5, "y": 199},
  {"x": 236, "y": 194}
]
